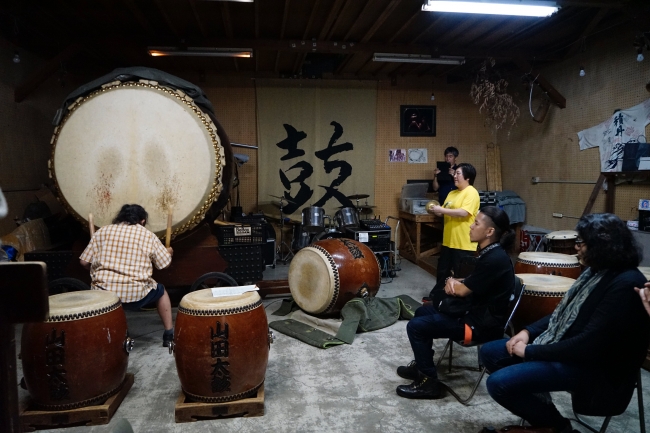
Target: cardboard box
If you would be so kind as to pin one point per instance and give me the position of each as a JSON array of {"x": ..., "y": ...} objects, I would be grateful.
[{"x": 414, "y": 205}]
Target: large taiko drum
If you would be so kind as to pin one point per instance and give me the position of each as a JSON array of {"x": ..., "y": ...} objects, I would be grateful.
[
  {"x": 140, "y": 142},
  {"x": 562, "y": 241},
  {"x": 328, "y": 273},
  {"x": 221, "y": 346},
  {"x": 562, "y": 265},
  {"x": 78, "y": 357},
  {"x": 542, "y": 293}
]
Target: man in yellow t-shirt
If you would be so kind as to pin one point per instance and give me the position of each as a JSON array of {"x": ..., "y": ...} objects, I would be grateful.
[{"x": 459, "y": 210}]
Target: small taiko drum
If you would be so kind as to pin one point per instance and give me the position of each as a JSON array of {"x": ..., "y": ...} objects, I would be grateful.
[
  {"x": 542, "y": 293},
  {"x": 328, "y": 273},
  {"x": 562, "y": 265},
  {"x": 221, "y": 346},
  {"x": 562, "y": 241},
  {"x": 78, "y": 357}
]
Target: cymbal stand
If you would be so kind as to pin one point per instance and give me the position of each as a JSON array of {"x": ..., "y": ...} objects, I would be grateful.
[{"x": 281, "y": 255}]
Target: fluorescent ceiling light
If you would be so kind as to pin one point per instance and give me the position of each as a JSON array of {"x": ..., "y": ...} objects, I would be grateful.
[
  {"x": 200, "y": 52},
  {"x": 418, "y": 58},
  {"x": 528, "y": 8}
]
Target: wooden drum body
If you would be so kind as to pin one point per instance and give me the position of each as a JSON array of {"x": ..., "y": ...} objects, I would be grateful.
[
  {"x": 563, "y": 241},
  {"x": 221, "y": 346},
  {"x": 542, "y": 293},
  {"x": 329, "y": 273},
  {"x": 79, "y": 356},
  {"x": 562, "y": 265},
  {"x": 139, "y": 142}
]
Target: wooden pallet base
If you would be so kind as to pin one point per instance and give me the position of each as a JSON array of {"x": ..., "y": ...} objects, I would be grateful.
[
  {"x": 91, "y": 415},
  {"x": 189, "y": 411}
]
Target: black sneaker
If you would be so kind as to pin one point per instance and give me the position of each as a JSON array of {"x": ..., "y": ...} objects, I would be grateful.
[
  {"x": 409, "y": 372},
  {"x": 168, "y": 337},
  {"x": 424, "y": 387}
]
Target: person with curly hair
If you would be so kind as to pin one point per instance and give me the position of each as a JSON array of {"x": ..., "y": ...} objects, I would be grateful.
[
  {"x": 592, "y": 345},
  {"x": 120, "y": 258}
]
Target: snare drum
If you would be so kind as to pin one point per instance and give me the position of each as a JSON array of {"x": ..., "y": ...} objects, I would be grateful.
[
  {"x": 145, "y": 143},
  {"x": 313, "y": 219},
  {"x": 221, "y": 346},
  {"x": 542, "y": 293},
  {"x": 78, "y": 357},
  {"x": 329, "y": 273},
  {"x": 562, "y": 241},
  {"x": 548, "y": 263},
  {"x": 346, "y": 217}
]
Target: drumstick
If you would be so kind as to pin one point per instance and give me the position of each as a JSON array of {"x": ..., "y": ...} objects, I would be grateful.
[
  {"x": 168, "y": 238},
  {"x": 91, "y": 225}
]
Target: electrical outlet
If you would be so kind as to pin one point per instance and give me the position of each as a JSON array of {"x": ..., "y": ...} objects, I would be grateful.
[
  {"x": 557, "y": 215},
  {"x": 535, "y": 179}
]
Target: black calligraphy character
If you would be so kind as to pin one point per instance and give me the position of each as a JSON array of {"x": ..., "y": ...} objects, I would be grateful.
[
  {"x": 219, "y": 333},
  {"x": 618, "y": 121},
  {"x": 220, "y": 376},
  {"x": 304, "y": 193},
  {"x": 219, "y": 348},
  {"x": 291, "y": 142},
  {"x": 345, "y": 169}
]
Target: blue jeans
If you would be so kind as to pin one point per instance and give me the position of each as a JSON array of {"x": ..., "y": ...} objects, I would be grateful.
[
  {"x": 151, "y": 298},
  {"x": 522, "y": 387},
  {"x": 426, "y": 325}
]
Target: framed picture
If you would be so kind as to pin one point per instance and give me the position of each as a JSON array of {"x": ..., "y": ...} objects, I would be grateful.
[{"x": 417, "y": 121}]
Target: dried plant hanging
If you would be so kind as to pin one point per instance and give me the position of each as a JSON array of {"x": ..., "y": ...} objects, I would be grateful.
[{"x": 490, "y": 92}]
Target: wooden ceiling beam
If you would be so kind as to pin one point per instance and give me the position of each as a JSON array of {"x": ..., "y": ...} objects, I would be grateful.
[
  {"x": 331, "y": 18},
  {"x": 586, "y": 32},
  {"x": 406, "y": 25},
  {"x": 198, "y": 19},
  {"x": 543, "y": 83},
  {"x": 168, "y": 20},
  {"x": 139, "y": 16},
  {"x": 24, "y": 89},
  {"x": 425, "y": 31},
  {"x": 365, "y": 10},
  {"x": 337, "y": 20}
]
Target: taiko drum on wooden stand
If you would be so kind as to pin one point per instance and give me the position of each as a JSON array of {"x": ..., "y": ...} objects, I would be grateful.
[
  {"x": 79, "y": 356},
  {"x": 562, "y": 265},
  {"x": 221, "y": 346}
]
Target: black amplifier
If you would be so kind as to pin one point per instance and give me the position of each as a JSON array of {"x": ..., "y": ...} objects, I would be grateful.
[{"x": 375, "y": 239}]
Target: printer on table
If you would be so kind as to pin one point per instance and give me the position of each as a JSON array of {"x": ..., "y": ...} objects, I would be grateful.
[{"x": 413, "y": 198}]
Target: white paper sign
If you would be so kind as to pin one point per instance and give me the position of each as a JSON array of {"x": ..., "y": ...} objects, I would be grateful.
[{"x": 218, "y": 292}]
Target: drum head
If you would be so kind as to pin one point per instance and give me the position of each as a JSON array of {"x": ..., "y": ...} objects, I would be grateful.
[
  {"x": 138, "y": 143},
  {"x": 313, "y": 280},
  {"x": 645, "y": 270},
  {"x": 548, "y": 259},
  {"x": 562, "y": 234},
  {"x": 553, "y": 284},
  {"x": 77, "y": 305},
  {"x": 202, "y": 300}
]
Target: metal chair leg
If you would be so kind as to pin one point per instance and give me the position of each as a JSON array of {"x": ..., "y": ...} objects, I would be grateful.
[{"x": 639, "y": 393}]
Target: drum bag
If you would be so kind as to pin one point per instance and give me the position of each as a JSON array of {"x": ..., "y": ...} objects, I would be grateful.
[{"x": 359, "y": 315}]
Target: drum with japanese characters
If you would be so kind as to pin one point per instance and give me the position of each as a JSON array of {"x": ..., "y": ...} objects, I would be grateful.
[
  {"x": 328, "y": 273},
  {"x": 221, "y": 346},
  {"x": 141, "y": 142},
  {"x": 562, "y": 241},
  {"x": 542, "y": 293},
  {"x": 562, "y": 265},
  {"x": 79, "y": 355}
]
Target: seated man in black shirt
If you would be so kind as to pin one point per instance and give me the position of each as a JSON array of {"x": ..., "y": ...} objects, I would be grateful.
[{"x": 489, "y": 288}]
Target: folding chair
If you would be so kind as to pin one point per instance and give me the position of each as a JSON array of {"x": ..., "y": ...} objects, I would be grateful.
[
  {"x": 515, "y": 298},
  {"x": 608, "y": 411}
]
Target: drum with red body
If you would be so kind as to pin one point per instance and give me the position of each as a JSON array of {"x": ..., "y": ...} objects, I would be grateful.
[
  {"x": 562, "y": 241},
  {"x": 562, "y": 265},
  {"x": 78, "y": 357},
  {"x": 221, "y": 345},
  {"x": 328, "y": 273},
  {"x": 542, "y": 293}
]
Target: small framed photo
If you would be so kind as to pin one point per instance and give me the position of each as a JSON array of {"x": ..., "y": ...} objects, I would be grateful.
[{"x": 417, "y": 120}]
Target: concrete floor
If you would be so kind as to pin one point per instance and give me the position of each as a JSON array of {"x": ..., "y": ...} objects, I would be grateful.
[{"x": 348, "y": 388}]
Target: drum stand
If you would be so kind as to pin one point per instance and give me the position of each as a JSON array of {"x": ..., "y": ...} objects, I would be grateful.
[{"x": 281, "y": 255}]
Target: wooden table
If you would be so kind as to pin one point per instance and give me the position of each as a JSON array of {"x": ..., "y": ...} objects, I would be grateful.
[{"x": 420, "y": 237}]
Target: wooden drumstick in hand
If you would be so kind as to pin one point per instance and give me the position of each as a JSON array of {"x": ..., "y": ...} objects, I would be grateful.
[
  {"x": 91, "y": 225},
  {"x": 168, "y": 238}
]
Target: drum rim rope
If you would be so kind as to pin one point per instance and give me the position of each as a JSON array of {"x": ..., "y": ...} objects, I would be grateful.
[
  {"x": 542, "y": 294},
  {"x": 181, "y": 96},
  {"x": 223, "y": 312},
  {"x": 84, "y": 403},
  {"x": 337, "y": 278},
  {"x": 85, "y": 314},
  {"x": 223, "y": 399}
]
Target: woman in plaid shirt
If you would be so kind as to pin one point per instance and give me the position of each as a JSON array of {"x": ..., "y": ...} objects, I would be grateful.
[{"x": 120, "y": 257}]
